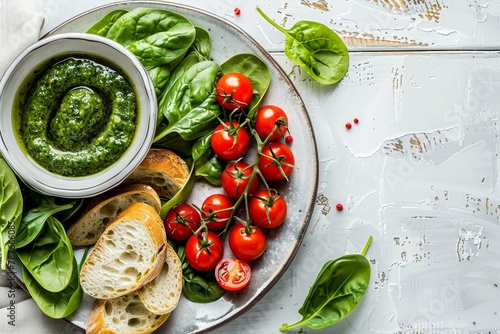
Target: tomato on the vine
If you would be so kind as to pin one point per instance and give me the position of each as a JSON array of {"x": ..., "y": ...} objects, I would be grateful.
[
  {"x": 236, "y": 177},
  {"x": 234, "y": 90},
  {"x": 267, "y": 208},
  {"x": 216, "y": 210},
  {"x": 182, "y": 221},
  {"x": 271, "y": 119},
  {"x": 276, "y": 161},
  {"x": 204, "y": 250},
  {"x": 230, "y": 141},
  {"x": 247, "y": 242},
  {"x": 232, "y": 274}
]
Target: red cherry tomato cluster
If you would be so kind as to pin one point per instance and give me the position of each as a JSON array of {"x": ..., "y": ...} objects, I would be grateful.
[{"x": 250, "y": 205}]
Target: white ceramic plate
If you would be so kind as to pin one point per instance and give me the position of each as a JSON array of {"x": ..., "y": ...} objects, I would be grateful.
[{"x": 300, "y": 191}]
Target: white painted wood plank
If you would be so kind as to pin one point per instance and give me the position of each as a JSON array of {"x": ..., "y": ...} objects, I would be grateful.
[{"x": 363, "y": 24}]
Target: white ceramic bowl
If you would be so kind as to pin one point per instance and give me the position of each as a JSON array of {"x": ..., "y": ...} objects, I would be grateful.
[{"x": 93, "y": 46}]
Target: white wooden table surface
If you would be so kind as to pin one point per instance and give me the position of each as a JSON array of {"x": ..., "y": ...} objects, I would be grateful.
[{"x": 419, "y": 172}]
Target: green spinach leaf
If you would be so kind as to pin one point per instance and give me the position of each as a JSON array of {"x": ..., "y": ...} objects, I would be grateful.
[
  {"x": 154, "y": 36},
  {"x": 256, "y": 70},
  {"x": 190, "y": 106},
  {"x": 11, "y": 208},
  {"x": 316, "y": 48},
  {"x": 207, "y": 164},
  {"x": 34, "y": 220},
  {"x": 202, "y": 44},
  {"x": 187, "y": 62},
  {"x": 180, "y": 197},
  {"x": 61, "y": 304},
  {"x": 159, "y": 76},
  {"x": 65, "y": 215},
  {"x": 49, "y": 259},
  {"x": 197, "y": 287},
  {"x": 102, "y": 27},
  {"x": 336, "y": 292},
  {"x": 173, "y": 141},
  {"x": 200, "y": 289}
]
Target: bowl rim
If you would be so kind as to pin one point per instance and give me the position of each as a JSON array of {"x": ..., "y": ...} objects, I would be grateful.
[{"x": 54, "y": 184}]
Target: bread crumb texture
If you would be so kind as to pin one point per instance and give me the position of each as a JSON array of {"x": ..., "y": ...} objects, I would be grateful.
[{"x": 125, "y": 255}]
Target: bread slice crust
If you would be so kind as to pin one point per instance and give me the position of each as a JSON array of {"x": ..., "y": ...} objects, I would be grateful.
[
  {"x": 163, "y": 170},
  {"x": 102, "y": 210},
  {"x": 130, "y": 253},
  {"x": 162, "y": 294},
  {"x": 123, "y": 315}
]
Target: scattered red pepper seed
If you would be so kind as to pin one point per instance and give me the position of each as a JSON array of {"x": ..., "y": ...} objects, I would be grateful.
[
  {"x": 289, "y": 139},
  {"x": 237, "y": 11},
  {"x": 348, "y": 126},
  {"x": 340, "y": 207},
  {"x": 356, "y": 121}
]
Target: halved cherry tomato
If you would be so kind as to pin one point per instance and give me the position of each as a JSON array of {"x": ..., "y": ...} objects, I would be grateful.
[
  {"x": 247, "y": 243},
  {"x": 230, "y": 141},
  {"x": 276, "y": 161},
  {"x": 236, "y": 177},
  {"x": 234, "y": 90},
  {"x": 271, "y": 119},
  {"x": 216, "y": 210},
  {"x": 232, "y": 274},
  {"x": 204, "y": 250},
  {"x": 267, "y": 209},
  {"x": 182, "y": 221}
]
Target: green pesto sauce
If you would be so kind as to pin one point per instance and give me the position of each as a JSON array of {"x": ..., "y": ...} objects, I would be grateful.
[{"x": 78, "y": 117}]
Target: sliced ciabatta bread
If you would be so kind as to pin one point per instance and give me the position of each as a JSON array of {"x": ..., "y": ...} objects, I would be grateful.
[
  {"x": 89, "y": 227},
  {"x": 163, "y": 170},
  {"x": 162, "y": 294},
  {"x": 123, "y": 315},
  {"x": 130, "y": 253}
]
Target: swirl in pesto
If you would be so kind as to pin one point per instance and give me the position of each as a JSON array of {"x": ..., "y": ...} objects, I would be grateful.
[{"x": 80, "y": 117}]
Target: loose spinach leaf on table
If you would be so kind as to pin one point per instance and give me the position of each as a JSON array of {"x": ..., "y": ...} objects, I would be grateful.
[
  {"x": 11, "y": 208},
  {"x": 256, "y": 70},
  {"x": 49, "y": 258},
  {"x": 336, "y": 292},
  {"x": 61, "y": 304},
  {"x": 33, "y": 221},
  {"x": 154, "y": 36},
  {"x": 316, "y": 48}
]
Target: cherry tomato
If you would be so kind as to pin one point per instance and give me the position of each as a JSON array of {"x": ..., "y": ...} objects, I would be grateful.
[
  {"x": 232, "y": 274},
  {"x": 204, "y": 250},
  {"x": 271, "y": 119},
  {"x": 247, "y": 244},
  {"x": 234, "y": 90},
  {"x": 210, "y": 211},
  {"x": 267, "y": 209},
  {"x": 182, "y": 221},
  {"x": 276, "y": 161},
  {"x": 229, "y": 141},
  {"x": 236, "y": 177}
]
